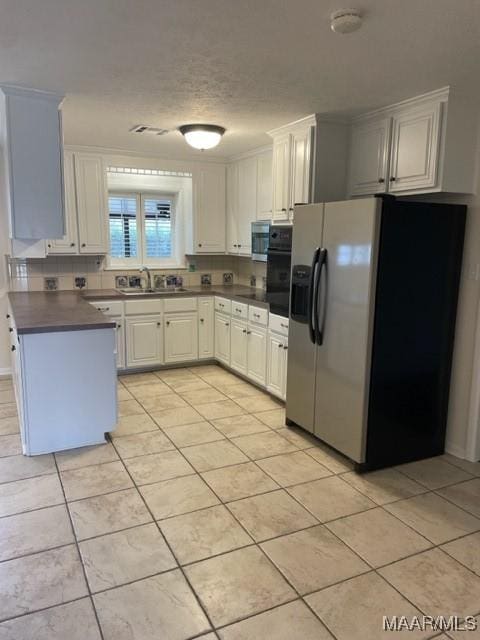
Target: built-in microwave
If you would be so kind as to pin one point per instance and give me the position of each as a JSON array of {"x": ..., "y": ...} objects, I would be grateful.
[{"x": 260, "y": 240}]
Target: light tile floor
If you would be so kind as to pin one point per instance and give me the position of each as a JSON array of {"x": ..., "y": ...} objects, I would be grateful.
[{"x": 206, "y": 517}]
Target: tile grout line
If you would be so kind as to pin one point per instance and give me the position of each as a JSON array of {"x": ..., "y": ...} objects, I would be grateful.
[{"x": 80, "y": 558}]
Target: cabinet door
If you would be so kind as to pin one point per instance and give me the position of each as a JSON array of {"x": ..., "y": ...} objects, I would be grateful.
[
  {"x": 281, "y": 171},
  {"x": 232, "y": 208},
  {"x": 92, "y": 205},
  {"x": 181, "y": 337},
  {"x": 120, "y": 342},
  {"x": 222, "y": 338},
  {"x": 69, "y": 243},
  {"x": 257, "y": 354},
  {"x": 238, "y": 346},
  {"x": 144, "y": 341},
  {"x": 209, "y": 213},
  {"x": 275, "y": 364},
  {"x": 283, "y": 394},
  {"x": 206, "y": 332},
  {"x": 368, "y": 162},
  {"x": 415, "y": 149},
  {"x": 300, "y": 168},
  {"x": 33, "y": 149},
  {"x": 247, "y": 203},
  {"x": 264, "y": 186}
]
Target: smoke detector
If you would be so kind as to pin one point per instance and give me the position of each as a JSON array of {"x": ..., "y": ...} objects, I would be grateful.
[
  {"x": 145, "y": 128},
  {"x": 345, "y": 20}
]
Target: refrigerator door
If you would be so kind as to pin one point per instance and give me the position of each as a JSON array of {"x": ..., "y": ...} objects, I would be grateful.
[
  {"x": 344, "y": 306},
  {"x": 307, "y": 240}
]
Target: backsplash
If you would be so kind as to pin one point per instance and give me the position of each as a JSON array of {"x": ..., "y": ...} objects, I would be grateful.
[{"x": 65, "y": 273}]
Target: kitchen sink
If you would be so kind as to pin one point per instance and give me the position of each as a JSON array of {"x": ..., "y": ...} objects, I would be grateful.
[{"x": 133, "y": 291}]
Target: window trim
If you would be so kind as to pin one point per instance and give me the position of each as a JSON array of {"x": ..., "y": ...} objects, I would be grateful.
[{"x": 175, "y": 261}]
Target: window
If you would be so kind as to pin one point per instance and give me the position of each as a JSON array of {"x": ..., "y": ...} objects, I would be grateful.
[{"x": 142, "y": 229}]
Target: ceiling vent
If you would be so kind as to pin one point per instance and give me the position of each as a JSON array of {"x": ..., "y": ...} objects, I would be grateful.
[{"x": 145, "y": 128}]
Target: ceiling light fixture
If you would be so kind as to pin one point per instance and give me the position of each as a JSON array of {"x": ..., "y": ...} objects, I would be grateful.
[
  {"x": 202, "y": 136},
  {"x": 345, "y": 20}
]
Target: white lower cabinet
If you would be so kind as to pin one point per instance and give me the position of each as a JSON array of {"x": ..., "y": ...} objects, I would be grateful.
[
  {"x": 206, "y": 330},
  {"x": 238, "y": 346},
  {"x": 120, "y": 341},
  {"x": 277, "y": 351},
  {"x": 144, "y": 340},
  {"x": 222, "y": 338},
  {"x": 181, "y": 337},
  {"x": 257, "y": 354}
]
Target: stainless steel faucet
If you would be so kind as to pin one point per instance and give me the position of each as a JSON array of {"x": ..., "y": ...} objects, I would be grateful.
[{"x": 149, "y": 277}]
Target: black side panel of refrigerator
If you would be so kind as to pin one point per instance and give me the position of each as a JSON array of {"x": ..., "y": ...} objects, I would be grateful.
[{"x": 420, "y": 255}]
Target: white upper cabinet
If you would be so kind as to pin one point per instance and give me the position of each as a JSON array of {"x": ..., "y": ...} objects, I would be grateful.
[
  {"x": 415, "y": 149},
  {"x": 300, "y": 167},
  {"x": 368, "y": 163},
  {"x": 31, "y": 141},
  {"x": 209, "y": 210},
  {"x": 232, "y": 208},
  {"x": 264, "y": 186},
  {"x": 422, "y": 145},
  {"x": 292, "y": 166},
  {"x": 281, "y": 177},
  {"x": 249, "y": 197},
  {"x": 69, "y": 243},
  {"x": 91, "y": 190},
  {"x": 247, "y": 203}
]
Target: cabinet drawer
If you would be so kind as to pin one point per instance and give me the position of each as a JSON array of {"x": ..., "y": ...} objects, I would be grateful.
[
  {"x": 223, "y": 305},
  {"x": 258, "y": 315},
  {"x": 239, "y": 309},
  {"x": 137, "y": 307},
  {"x": 279, "y": 324},
  {"x": 179, "y": 304},
  {"x": 109, "y": 307}
]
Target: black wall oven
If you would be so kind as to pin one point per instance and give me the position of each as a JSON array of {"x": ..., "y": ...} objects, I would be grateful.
[{"x": 279, "y": 257}]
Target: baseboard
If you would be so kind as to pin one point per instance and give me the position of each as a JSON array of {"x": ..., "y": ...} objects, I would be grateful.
[
  {"x": 455, "y": 450},
  {"x": 5, "y": 372}
]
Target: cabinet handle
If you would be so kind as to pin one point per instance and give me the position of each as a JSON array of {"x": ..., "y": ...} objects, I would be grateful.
[
  {"x": 168, "y": 323},
  {"x": 244, "y": 330},
  {"x": 8, "y": 316},
  {"x": 381, "y": 180},
  {"x": 227, "y": 324},
  {"x": 199, "y": 244},
  {"x": 283, "y": 209},
  {"x": 248, "y": 333},
  {"x": 290, "y": 208},
  {"x": 239, "y": 246},
  {"x": 49, "y": 245},
  {"x": 83, "y": 244},
  {"x": 280, "y": 346},
  {"x": 103, "y": 308},
  {"x": 14, "y": 348},
  {"x": 284, "y": 326},
  {"x": 285, "y": 348},
  {"x": 72, "y": 244},
  {"x": 10, "y": 329},
  {"x": 235, "y": 245},
  {"x": 119, "y": 326},
  {"x": 392, "y": 179},
  {"x": 201, "y": 320},
  {"x": 256, "y": 315}
]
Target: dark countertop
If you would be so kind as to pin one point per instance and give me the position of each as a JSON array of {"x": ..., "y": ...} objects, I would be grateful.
[
  {"x": 45, "y": 312},
  {"x": 51, "y": 311},
  {"x": 233, "y": 291}
]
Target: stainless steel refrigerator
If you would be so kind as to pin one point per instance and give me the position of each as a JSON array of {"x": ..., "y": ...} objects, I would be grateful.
[{"x": 373, "y": 301}]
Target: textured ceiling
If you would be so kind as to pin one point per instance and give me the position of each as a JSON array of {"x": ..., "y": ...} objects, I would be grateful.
[{"x": 249, "y": 65}]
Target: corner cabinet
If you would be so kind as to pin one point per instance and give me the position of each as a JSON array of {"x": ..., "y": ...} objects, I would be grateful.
[
  {"x": 208, "y": 210},
  {"x": 422, "y": 145}
]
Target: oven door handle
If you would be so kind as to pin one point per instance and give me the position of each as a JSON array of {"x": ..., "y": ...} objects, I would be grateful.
[{"x": 312, "y": 288}]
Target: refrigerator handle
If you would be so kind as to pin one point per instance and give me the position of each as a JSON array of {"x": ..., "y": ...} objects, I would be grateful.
[
  {"x": 320, "y": 324},
  {"x": 311, "y": 296}
]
